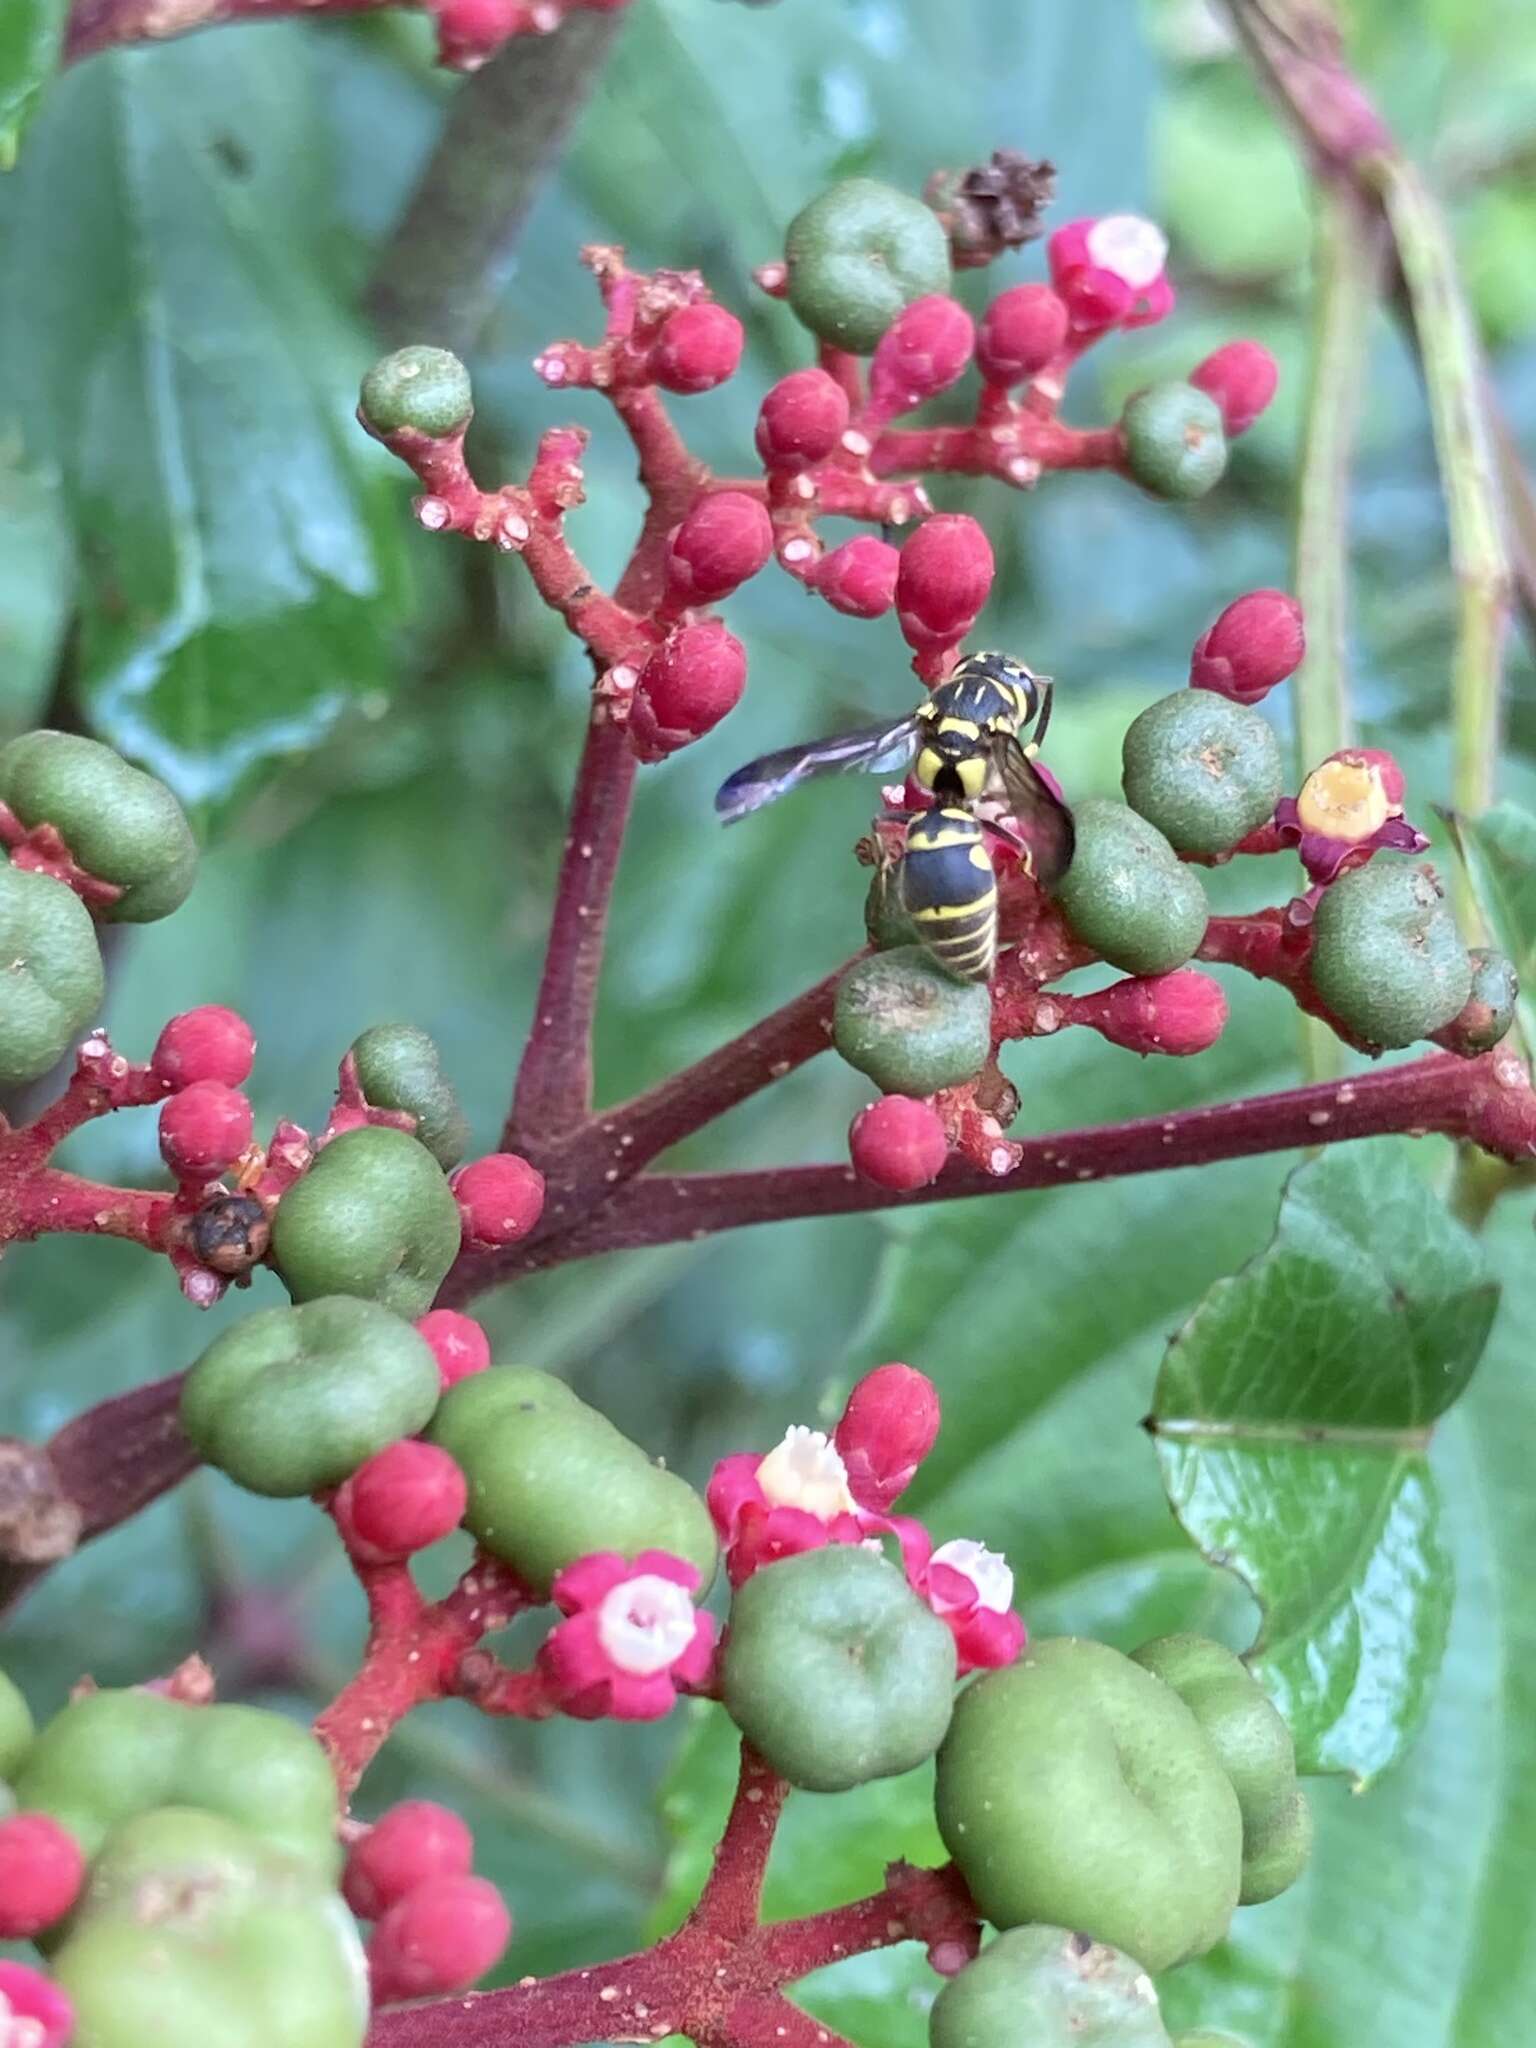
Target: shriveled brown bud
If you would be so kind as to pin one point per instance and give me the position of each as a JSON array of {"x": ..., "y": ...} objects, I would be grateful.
[{"x": 992, "y": 207}]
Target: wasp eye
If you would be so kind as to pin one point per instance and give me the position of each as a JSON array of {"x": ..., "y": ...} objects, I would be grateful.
[{"x": 973, "y": 776}]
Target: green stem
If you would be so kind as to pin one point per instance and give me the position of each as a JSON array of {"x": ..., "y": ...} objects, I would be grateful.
[
  {"x": 1349, "y": 249},
  {"x": 1469, "y": 474}
]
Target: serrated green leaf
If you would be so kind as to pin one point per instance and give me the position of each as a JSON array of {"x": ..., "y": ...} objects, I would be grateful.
[
  {"x": 190, "y": 373},
  {"x": 1499, "y": 851},
  {"x": 1292, "y": 1421},
  {"x": 31, "y": 37}
]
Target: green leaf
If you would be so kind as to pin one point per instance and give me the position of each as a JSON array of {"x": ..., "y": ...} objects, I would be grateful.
[
  {"x": 1292, "y": 1421},
  {"x": 1499, "y": 850},
  {"x": 31, "y": 38},
  {"x": 36, "y": 574},
  {"x": 190, "y": 372}
]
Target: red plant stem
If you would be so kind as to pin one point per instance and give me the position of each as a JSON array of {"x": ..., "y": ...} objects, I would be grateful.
[
  {"x": 554, "y": 1081},
  {"x": 103, "y": 24},
  {"x": 1015, "y": 450},
  {"x": 731, "y": 1902},
  {"x": 1488, "y": 1100}
]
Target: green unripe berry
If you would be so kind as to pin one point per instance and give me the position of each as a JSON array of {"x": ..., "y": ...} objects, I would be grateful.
[
  {"x": 400, "y": 1067},
  {"x": 551, "y": 1480},
  {"x": 295, "y": 1399},
  {"x": 16, "y": 1727},
  {"x": 1174, "y": 440},
  {"x": 1077, "y": 1789},
  {"x": 887, "y": 923},
  {"x": 1203, "y": 770},
  {"x": 1485, "y": 1017},
  {"x": 110, "y": 1756},
  {"x": 51, "y": 981},
  {"x": 1387, "y": 958},
  {"x": 372, "y": 1217},
  {"x": 859, "y": 253},
  {"x": 1249, "y": 1735},
  {"x": 426, "y": 389},
  {"x": 194, "y": 1933},
  {"x": 1045, "y": 1987},
  {"x": 835, "y": 1671},
  {"x": 912, "y": 1028},
  {"x": 1128, "y": 895},
  {"x": 119, "y": 823}
]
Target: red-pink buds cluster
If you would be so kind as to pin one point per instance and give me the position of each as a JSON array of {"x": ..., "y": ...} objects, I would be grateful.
[
  {"x": 1242, "y": 377},
  {"x": 207, "y": 1044},
  {"x": 1178, "y": 1014},
  {"x": 204, "y": 1130},
  {"x": 724, "y": 538},
  {"x": 698, "y": 347},
  {"x": 898, "y": 1144},
  {"x": 944, "y": 578},
  {"x": 470, "y": 32},
  {"x": 889, "y": 1425},
  {"x": 859, "y": 577},
  {"x": 34, "y": 2000},
  {"x": 1022, "y": 331},
  {"x": 692, "y": 680},
  {"x": 1110, "y": 272},
  {"x": 438, "y": 1928},
  {"x": 401, "y": 1500},
  {"x": 925, "y": 349},
  {"x": 500, "y": 1198},
  {"x": 801, "y": 421},
  {"x": 1256, "y": 643},
  {"x": 458, "y": 1343}
]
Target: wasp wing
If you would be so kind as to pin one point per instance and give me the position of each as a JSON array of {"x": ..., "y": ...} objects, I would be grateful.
[
  {"x": 1046, "y": 821},
  {"x": 765, "y": 780}
]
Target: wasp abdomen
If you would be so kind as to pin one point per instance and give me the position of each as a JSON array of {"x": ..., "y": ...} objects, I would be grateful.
[{"x": 949, "y": 891}]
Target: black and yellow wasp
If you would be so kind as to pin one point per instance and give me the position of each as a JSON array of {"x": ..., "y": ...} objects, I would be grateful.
[{"x": 965, "y": 743}]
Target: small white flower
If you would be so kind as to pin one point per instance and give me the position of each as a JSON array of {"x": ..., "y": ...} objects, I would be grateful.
[
  {"x": 1134, "y": 249},
  {"x": 987, "y": 1570},
  {"x": 806, "y": 1472},
  {"x": 645, "y": 1623}
]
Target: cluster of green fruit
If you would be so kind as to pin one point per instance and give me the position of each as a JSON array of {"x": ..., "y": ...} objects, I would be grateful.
[
  {"x": 210, "y": 1915},
  {"x": 120, "y": 826}
]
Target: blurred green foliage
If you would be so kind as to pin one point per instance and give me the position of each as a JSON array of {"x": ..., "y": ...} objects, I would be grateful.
[{"x": 206, "y": 561}]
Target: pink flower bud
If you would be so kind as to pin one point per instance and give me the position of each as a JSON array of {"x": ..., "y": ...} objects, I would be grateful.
[
  {"x": 1241, "y": 377},
  {"x": 207, "y": 1044},
  {"x": 500, "y": 1198},
  {"x": 470, "y": 31},
  {"x": 29, "y": 1995},
  {"x": 698, "y": 348},
  {"x": 1021, "y": 332},
  {"x": 458, "y": 1343},
  {"x": 722, "y": 540},
  {"x": 41, "y": 1872},
  {"x": 898, "y": 1143},
  {"x": 888, "y": 1428},
  {"x": 1257, "y": 642},
  {"x": 440, "y": 1937},
  {"x": 1180, "y": 1013},
  {"x": 1109, "y": 272},
  {"x": 414, "y": 1841},
  {"x": 688, "y": 685},
  {"x": 802, "y": 420},
  {"x": 859, "y": 577},
  {"x": 923, "y": 351},
  {"x": 943, "y": 580},
  {"x": 406, "y": 1497},
  {"x": 204, "y": 1129}
]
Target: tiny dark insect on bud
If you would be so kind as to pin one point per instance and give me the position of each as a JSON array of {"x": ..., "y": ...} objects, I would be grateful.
[{"x": 230, "y": 1234}]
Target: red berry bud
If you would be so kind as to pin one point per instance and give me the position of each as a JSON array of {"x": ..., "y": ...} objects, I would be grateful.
[
  {"x": 458, "y": 1343},
  {"x": 41, "y": 1872},
  {"x": 943, "y": 581},
  {"x": 405, "y": 1497},
  {"x": 500, "y": 1198},
  {"x": 439, "y": 1937},
  {"x": 923, "y": 351},
  {"x": 204, "y": 1129},
  {"x": 725, "y": 538},
  {"x": 688, "y": 685},
  {"x": 1241, "y": 377},
  {"x": 859, "y": 577},
  {"x": 698, "y": 348},
  {"x": 1021, "y": 331},
  {"x": 1257, "y": 642},
  {"x": 898, "y": 1143},
  {"x": 887, "y": 1430},
  {"x": 209, "y": 1044},
  {"x": 470, "y": 31},
  {"x": 1178, "y": 1013},
  {"x": 29, "y": 1995},
  {"x": 413, "y": 1842},
  {"x": 802, "y": 420}
]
